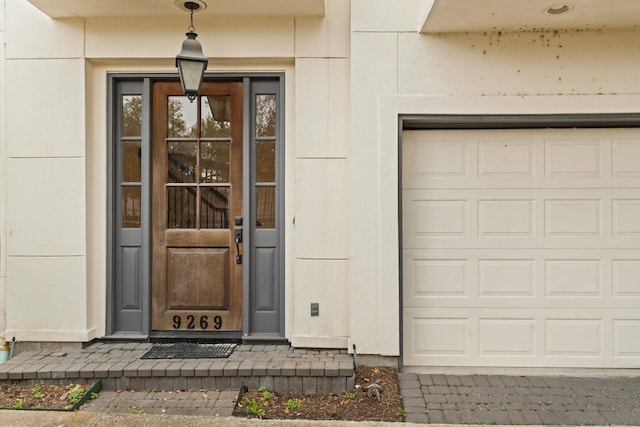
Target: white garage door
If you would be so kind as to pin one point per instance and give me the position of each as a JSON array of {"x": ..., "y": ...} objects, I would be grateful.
[{"x": 521, "y": 247}]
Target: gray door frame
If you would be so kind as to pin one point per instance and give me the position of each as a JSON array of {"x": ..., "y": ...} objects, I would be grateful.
[
  {"x": 129, "y": 278},
  {"x": 263, "y": 277}
]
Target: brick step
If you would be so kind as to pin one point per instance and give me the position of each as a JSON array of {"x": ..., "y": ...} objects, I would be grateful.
[{"x": 278, "y": 368}]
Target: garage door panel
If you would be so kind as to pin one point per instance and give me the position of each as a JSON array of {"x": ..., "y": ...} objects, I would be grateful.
[
  {"x": 625, "y": 218},
  {"x": 521, "y": 278},
  {"x": 506, "y": 218},
  {"x": 574, "y": 337},
  {"x": 577, "y": 217},
  {"x": 518, "y": 184},
  {"x": 544, "y": 219},
  {"x": 521, "y": 247},
  {"x": 625, "y": 155},
  {"x": 625, "y": 338},
  {"x": 543, "y": 158},
  {"x": 443, "y": 158},
  {"x": 543, "y": 337},
  {"x": 625, "y": 274},
  {"x": 507, "y": 158},
  {"x": 441, "y": 336},
  {"x": 437, "y": 277},
  {"x": 573, "y": 158},
  {"x": 506, "y": 278},
  {"x": 574, "y": 278},
  {"x": 513, "y": 337},
  {"x": 436, "y": 217}
]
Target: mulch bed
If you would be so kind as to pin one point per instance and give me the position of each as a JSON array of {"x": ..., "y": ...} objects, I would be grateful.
[
  {"x": 359, "y": 404},
  {"x": 42, "y": 396}
]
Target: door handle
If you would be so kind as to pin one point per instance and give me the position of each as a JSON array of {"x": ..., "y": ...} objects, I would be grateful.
[{"x": 238, "y": 240}]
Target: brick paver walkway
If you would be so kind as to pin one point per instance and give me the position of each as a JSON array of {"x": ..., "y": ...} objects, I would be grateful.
[
  {"x": 201, "y": 402},
  {"x": 524, "y": 400},
  {"x": 210, "y": 386}
]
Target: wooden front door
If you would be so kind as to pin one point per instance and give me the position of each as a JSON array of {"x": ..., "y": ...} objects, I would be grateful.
[{"x": 197, "y": 208}]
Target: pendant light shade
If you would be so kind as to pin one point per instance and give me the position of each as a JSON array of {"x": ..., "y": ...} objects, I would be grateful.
[{"x": 191, "y": 64}]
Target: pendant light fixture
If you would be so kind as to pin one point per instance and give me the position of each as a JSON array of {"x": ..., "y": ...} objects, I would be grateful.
[{"x": 191, "y": 62}]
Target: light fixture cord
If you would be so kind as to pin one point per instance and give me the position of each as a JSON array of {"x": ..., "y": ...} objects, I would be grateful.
[{"x": 191, "y": 27}]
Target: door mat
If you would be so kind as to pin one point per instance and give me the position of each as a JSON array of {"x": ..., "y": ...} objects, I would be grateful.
[{"x": 188, "y": 350}]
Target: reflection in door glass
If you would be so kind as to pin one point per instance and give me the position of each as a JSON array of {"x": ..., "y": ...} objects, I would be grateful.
[
  {"x": 131, "y": 166},
  {"x": 182, "y": 159},
  {"x": 131, "y": 202},
  {"x": 214, "y": 162},
  {"x": 265, "y": 115},
  {"x": 214, "y": 207},
  {"x": 216, "y": 116},
  {"x": 182, "y": 120},
  {"x": 266, "y": 207},
  {"x": 181, "y": 207},
  {"x": 265, "y": 161},
  {"x": 131, "y": 115}
]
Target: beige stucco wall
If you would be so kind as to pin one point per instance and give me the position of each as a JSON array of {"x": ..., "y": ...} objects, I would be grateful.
[
  {"x": 56, "y": 149},
  {"x": 396, "y": 70},
  {"x": 45, "y": 170},
  {"x": 3, "y": 204}
]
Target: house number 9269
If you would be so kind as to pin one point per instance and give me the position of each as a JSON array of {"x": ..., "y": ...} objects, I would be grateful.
[{"x": 192, "y": 322}]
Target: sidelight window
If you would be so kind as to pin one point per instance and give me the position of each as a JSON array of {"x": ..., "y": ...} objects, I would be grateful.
[{"x": 130, "y": 147}]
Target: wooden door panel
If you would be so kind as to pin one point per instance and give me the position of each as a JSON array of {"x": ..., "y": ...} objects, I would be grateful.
[
  {"x": 185, "y": 238},
  {"x": 196, "y": 192},
  {"x": 198, "y": 278}
]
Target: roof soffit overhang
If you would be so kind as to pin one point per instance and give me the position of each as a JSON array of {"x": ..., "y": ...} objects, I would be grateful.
[
  {"x": 146, "y": 8},
  {"x": 473, "y": 16}
]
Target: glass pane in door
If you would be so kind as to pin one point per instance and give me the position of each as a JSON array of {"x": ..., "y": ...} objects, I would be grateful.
[
  {"x": 183, "y": 117},
  {"x": 182, "y": 161},
  {"x": 265, "y": 115},
  {"x": 265, "y": 161},
  {"x": 214, "y": 207},
  {"x": 131, "y": 204},
  {"x": 266, "y": 207},
  {"x": 216, "y": 116},
  {"x": 131, "y": 115},
  {"x": 214, "y": 162},
  {"x": 131, "y": 165},
  {"x": 181, "y": 207}
]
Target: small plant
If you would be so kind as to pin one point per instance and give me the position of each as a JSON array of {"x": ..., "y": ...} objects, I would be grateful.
[
  {"x": 293, "y": 404},
  {"x": 401, "y": 412},
  {"x": 350, "y": 396},
  {"x": 154, "y": 390},
  {"x": 75, "y": 395},
  {"x": 36, "y": 391},
  {"x": 138, "y": 411},
  {"x": 17, "y": 403},
  {"x": 266, "y": 394},
  {"x": 254, "y": 408},
  {"x": 93, "y": 395}
]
